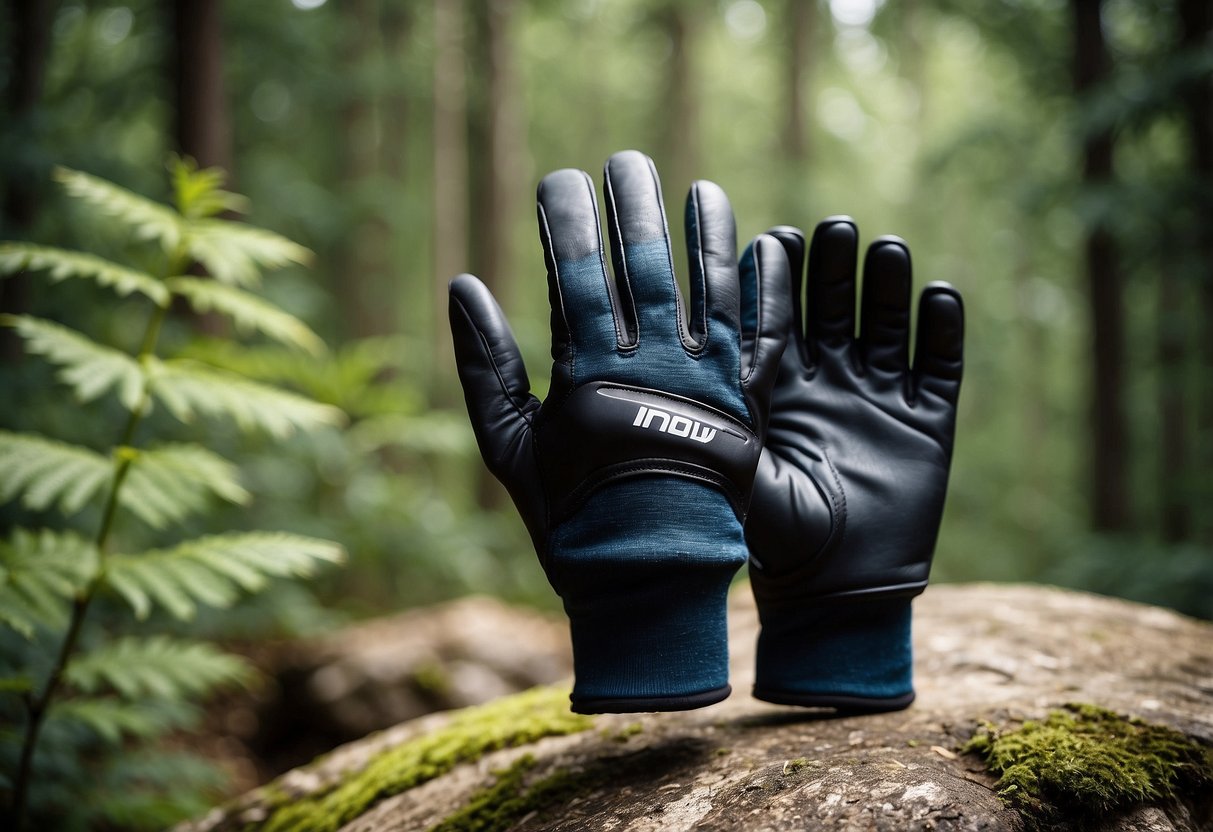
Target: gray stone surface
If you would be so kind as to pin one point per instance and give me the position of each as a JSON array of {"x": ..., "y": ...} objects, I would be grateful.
[{"x": 983, "y": 652}]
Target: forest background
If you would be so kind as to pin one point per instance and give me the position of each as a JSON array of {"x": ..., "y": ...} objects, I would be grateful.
[{"x": 1052, "y": 159}]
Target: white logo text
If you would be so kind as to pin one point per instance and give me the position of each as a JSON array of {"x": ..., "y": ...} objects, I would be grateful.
[{"x": 676, "y": 425}]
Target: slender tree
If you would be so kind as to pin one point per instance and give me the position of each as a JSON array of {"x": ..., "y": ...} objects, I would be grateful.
[
  {"x": 800, "y": 25},
  {"x": 1111, "y": 508},
  {"x": 680, "y": 142},
  {"x": 202, "y": 127},
  {"x": 498, "y": 172},
  {"x": 1196, "y": 18},
  {"x": 361, "y": 284},
  {"x": 29, "y": 45},
  {"x": 450, "y": 167}
]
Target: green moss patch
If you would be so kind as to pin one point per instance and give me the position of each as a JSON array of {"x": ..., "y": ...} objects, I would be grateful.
[
  {"x": 506, "y": 723},
  {"x": 1085, "y": 761},
  {"x": 498, "y": 807}
]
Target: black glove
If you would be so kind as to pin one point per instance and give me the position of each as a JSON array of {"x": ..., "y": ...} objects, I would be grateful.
[
  {"x": 851, "y": 485},
  {"x": 634, "y": 475}
]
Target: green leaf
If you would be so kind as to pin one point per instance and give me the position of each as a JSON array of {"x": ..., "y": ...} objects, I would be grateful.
[
  {"x": 170, "y": 482},
  {"x": 92, "y": 370},
  {"x": 199, "y": 193},
  {"x": 44, "y": 472},
  {"x": 60, "y": 264},
  {"x": 150, "y": 220},
  {"x": 236, "y": 253},
  {"x": 112, "y": 719},
  {"x": 213, "y": 570},
  {"x": 39, "y": 572},
  {"x": 187, "y": 388},
  {"x": 157, "y": 667},
  {"x": 249, "y": 312}
]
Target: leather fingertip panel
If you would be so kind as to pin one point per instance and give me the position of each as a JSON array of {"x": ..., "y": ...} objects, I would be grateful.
[
  {"x": 635, "y": 197},
  {"x": 569, "y": 206}
]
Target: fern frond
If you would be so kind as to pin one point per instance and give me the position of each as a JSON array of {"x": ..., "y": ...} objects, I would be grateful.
[
  {"x": 145, "y": 789},
  {"x": 250, "y": 313},
  {"x": 439, "y": 432},
  {"x": 158, "y": 667},
  {"x": 39, "y": 572},
  {"x": 149, "y": 219},
  {"x": 88, "y": 367},
  {"x": 187, "y": 388},
  {"x": 170, "y": 482},
  {"x": 60, "y": 264},
  {"x": 236, "y": 253},
  {"x": 199, "y": 193},
  {"x": 44, "y": 472},
  {"x": 213, "y": 570},
  {"x": 112, "y": 719}
]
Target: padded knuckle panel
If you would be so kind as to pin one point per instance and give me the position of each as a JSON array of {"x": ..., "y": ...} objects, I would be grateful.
[{"x": 603, "y": 432}]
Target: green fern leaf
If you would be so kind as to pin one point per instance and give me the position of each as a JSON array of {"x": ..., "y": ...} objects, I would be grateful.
[
  {"x": 39, "y": 572},
  {"x": 91, "y": 369},
  {"x": 113, "y": 720},
  {"x": 236, "y": 253},
  {"x": 157, "y": 667},
  {"x": 187, "y": 388},
  {"x": 249, "y": 312},
  {"x": 150, "y": 220},
  {"x": 213, "y": 570},
  {"x": 199, "y": 193},
  {"x": 60, "y": 264},
  {"x": 170, "y": 482},
  {"x": 43, "y": 472}
]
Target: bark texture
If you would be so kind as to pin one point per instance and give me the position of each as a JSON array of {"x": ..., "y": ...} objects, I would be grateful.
[{"x": 983, "y": 652}]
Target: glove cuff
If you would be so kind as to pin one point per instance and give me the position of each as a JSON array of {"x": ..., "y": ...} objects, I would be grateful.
[
  {"x": 663, "y": 646},
  {"x": 852, "y": 654}
]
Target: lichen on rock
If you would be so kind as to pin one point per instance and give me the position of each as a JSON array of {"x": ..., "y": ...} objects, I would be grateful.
[{"x": 1085, "y": 762}]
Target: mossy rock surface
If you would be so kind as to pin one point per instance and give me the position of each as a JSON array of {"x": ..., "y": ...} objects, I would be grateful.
[{"x": 992, "y": 662}]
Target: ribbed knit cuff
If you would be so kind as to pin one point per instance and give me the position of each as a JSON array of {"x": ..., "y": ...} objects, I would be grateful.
[
  {"x": 854, "y": 655},
  {"x": 661, "y": 646}
]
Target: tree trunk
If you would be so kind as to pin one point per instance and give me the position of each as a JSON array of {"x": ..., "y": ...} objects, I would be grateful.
[
  {"x": 367, "y": 307},
  {"x": 1174, "y": 486},
  {"x": 801, "y": 26},
  {"x": 29, "y": 46},
  {"x": 202, "y": 129},
  {"x": 450, "y": 161},
  {"x": 1197, "y": 21},
  {"x": 1111, "y": 508},
  {"x": 499, "y": 192},
  {"x": 679, "y": 116}
]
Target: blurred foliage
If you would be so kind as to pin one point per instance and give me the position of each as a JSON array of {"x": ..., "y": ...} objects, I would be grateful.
[
  {"x": 951, "y": 124},
  {"x": 85, "y": 702}
]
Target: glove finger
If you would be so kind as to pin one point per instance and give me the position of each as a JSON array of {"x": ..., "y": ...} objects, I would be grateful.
[
  {"x": 491, "y": 370},
  {"x": 764, "y": 298},
  {"x": 884, "y": 327},
  {"x": 792, "y": 240},
  {"x": 830, "y": 295},
  {"x": 712, "y": 254},
  {"x": 640, "y": 247},
  {"x": 585, "y": 310},
  {"x": 939, "y": 346}
]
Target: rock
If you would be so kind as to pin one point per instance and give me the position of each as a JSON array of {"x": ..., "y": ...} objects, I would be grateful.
[
  {"x": 382, "y": 672},
  {"x": 984, "y": 653}
]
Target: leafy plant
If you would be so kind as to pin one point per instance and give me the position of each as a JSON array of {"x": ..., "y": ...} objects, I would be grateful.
[{"x": 79, "y": 676}]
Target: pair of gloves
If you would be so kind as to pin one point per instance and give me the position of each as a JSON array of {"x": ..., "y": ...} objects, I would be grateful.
[{"x": 672, "y": 446}]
